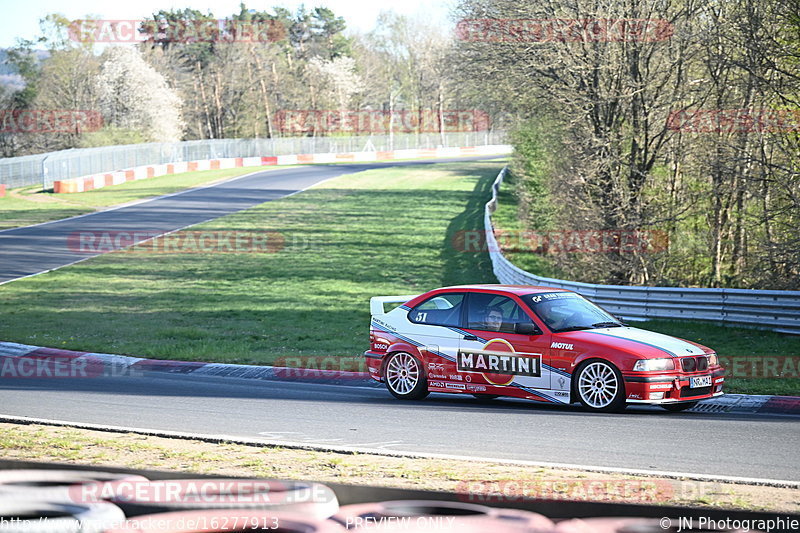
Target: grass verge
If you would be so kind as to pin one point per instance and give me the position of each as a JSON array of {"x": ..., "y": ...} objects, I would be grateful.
[
  {"x": 485, "y": 480},
  {"x": 29, "y": 205}
]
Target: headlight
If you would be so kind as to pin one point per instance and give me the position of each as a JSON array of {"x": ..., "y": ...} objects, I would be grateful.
[
  {"x": 712, "y": 360},
  {"x": 644, "y": 365}
]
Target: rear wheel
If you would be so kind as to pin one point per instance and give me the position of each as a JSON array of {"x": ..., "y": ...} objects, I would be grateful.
[
  {"x": 599, "y": 386},
  {"x": 678, "y": 407},
  {"x": 405, "y": 377}
]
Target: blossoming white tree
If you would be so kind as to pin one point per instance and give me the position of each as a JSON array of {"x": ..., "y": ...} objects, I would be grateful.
[{"x": 132, "y": 95}]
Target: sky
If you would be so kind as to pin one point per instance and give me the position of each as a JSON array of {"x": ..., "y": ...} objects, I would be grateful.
[{"x": 20, "y": 18}]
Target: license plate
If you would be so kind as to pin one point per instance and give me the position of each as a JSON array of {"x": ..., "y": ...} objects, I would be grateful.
[{"x": 700, "y": 381}]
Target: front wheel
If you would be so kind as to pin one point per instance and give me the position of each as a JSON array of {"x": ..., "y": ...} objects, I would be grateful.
[
  {"x": 678, "y": 407},
  {"x": 405, "y": 377},
  {"x": 599, "y": 386}
]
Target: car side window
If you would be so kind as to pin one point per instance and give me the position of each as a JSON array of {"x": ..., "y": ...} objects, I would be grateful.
[
  {"x": 492, "y": 312},
  {"x": 440, "y": 310}
]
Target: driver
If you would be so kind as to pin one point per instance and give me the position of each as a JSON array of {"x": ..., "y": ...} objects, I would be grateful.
[
  {"x": 555, "y": 314},
  {"x": 493, "y": 320}
]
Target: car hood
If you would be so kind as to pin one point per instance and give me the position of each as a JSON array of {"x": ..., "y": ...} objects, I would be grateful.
[{"x": 637, "y": 341}]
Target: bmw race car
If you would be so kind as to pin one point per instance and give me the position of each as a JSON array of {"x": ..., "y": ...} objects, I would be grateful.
[{"x": 540, "y": 343}]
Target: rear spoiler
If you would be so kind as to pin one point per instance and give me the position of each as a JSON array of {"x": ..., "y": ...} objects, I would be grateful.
[{"x": 376, "y": 302}]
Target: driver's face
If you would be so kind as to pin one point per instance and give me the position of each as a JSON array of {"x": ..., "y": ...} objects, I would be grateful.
[{"x": 494, "y": 320}]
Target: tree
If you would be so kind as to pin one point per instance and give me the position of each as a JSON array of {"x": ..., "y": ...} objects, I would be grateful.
[{"x": 133, "y": 96}]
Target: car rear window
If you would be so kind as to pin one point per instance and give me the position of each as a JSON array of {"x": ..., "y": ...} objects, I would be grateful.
[{"x": 439, "y": 310}]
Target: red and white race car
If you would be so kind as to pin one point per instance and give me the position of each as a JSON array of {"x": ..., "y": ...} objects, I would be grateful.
[{"x": 540, "y": 343}]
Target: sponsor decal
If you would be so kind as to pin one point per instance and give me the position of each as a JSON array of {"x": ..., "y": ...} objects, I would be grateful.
[
  {"x": 383, "y": 324},
  {"x": 437, "y": 384},
  {"x": 661, "y": 386},
  {"x": 436, "y": 367},
  {"x": 476, "y": 388},
  {"x": 456, "y": 377},
  {"x": 500, "y": 363},
  {"x": 635, "y": 396},
  {"x": 561, "y": 346},
  {"x": 380, "y": 346},
  {"x": 554, "y": 296},
  {"x": 561, "y": 393},
  {"x": 561, "y": 382},
  {"x": 459, "y": 386}
]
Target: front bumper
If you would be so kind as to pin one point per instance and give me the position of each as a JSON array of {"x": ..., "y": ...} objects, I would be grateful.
[{"x": 671, "y": 388}]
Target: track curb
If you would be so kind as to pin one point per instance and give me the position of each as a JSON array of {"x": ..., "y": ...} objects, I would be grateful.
[{"x": 112, "y": 365}]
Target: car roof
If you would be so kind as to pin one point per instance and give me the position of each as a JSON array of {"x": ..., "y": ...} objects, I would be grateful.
[{"x": 519, "y": 290}]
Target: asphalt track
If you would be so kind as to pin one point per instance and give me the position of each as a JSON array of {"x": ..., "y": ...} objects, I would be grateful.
[
  {"x": 35, "y": 249},
  {"x": 642, "y": 438}
]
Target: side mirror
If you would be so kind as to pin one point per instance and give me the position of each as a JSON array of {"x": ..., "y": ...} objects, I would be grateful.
[{"x": 526, "y": 328}]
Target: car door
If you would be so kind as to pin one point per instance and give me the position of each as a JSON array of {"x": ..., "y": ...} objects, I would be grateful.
[
  {"x": 512, "y": 353},
  {"x": 435, "y": 327}
]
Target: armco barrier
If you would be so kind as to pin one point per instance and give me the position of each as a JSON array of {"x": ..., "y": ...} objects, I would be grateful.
[
  {"x": 96, "y": 181},
  {"x": 775, "y": 310}
]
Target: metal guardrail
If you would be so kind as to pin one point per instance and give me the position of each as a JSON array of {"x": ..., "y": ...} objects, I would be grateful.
[
  {"x": 44, "y": 169},
  {"x": 765, "y": 309}
]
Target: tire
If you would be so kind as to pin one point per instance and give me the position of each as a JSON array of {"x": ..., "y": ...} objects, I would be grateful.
[
  {"x": 678, "y": 407},
  {"x": 405, "y": 377},
  {"x": 485, "y": 397},
  {"x": 599, "y": 386}
]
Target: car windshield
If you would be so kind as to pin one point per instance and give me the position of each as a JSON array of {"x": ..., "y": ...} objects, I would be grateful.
[{"x": 568, "y": 311}]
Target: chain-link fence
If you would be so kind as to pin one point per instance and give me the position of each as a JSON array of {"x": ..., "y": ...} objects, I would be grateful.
[{"x": 46, "y": 168}]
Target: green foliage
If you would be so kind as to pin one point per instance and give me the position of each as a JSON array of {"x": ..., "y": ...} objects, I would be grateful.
[
  {"x": 110, "y": 136},
  {"x": 532, "y": 171}
]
